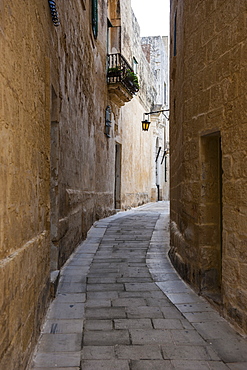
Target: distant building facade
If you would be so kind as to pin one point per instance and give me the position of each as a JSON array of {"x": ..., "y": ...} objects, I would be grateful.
[
  {"x": 208, "y": 133},
  {"x": 72, "y": 148},
  {"x": 156, "y": 50}
]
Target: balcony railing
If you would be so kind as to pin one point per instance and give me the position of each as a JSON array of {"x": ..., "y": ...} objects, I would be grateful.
[{"x": 119, "y": 71}]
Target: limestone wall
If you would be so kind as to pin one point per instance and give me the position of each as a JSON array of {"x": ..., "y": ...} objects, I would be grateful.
[
  {"x": 208, "y": 146},
  {"x": 136, "y": 146},
  {"x": 56, "y": 164},
  {"x": 156, "y": 51},
  {"x": 85, "y": 164},
  {"x": 138, "y": 183},
  {"x": 58, "y": 169},
  {"x": 24, "y": 176}
]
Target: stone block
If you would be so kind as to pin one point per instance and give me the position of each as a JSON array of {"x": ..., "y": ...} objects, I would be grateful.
[
  {"x": 71, "y": 287},
  {"x": 105, "y": 338},
  {"x": 105, "y": 313},
  {"x": 63, "y": 326},
  {"x": 67, "y": 311},
  {"x": 194, "y": 365},
  {"x": 56, "y": 360},
  {"x": 104, "y": 287},
  {"x": 151, "y": 364},
  {"x": 136, "y": 352},
  {"x": 167, "y": 324},
  {"x": 71, "y": 297},
  {"x": 50, "y": 342},
  {"x": 98, "y": 303},
  {"x": 189, "y": 352},
  {"x": 144, "y": 312},
  {"x": 195, "y": 317},
  {"x": 132, "y": 324},
  {"x": 150, "y": 336},
  {"x": 128, "y": 302},
  {"x": 140, "y": 287},
  {"x": 230, "y": 351},
  {"x": 98, "y": 353},
  {"x": 105, "y": 364},
  {"x": 99, "y": 325}
]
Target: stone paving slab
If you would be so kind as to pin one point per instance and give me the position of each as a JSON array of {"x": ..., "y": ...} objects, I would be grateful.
[
  {"x": 59, "y": 368},
  {"x": 150, "y": 336},
  {"x": 167, "y": 324},
  {"x": 133, "y": 324},
  {"x": 230, "y": 349},
  {"x": 98, "y": 303},
  {"x": 238, "y": 366},
  {"x": 198, "y": 365},
  {"x": 68, "y": 310},
  {"x": 139, "y": 352},
  {"x": 63, "y": 326},
  {"x": 105, "y": 287},
  {"x": 99, "y": 325},
  {"x": 55, "y": 360},
  {"x": 121, "y": 306},
  {"x": 70, "y": 298},
  {"x": 60, "y": 342},
  {"x": 105, "y": 365},
  {"x": 98, "y": 353},
  {"x": 144, "y": 312},
  {"x": 186, "y": 352},
  {"x": 105, "y": 338},
  {"x": 151, "y": 365},
  {"x": 128, "y": 302},
  {"x": 105, "y": 313}
]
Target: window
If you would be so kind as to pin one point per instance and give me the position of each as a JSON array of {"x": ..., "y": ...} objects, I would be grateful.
[
  {"x": 135, "y": 65},
  {"x": 175, "y": 35},
  {"x": 164, "y": 93},
  {"x": 95, "y": 18},
  {"x": 109, "y": 26},
  {"x": 108, "y": 121}
]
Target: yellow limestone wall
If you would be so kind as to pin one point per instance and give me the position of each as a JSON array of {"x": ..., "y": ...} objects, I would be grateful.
[
  {"x": 24, "y": 177},
  {"x": 56, "y": 164},
  {"x": 208, "y": 133}
]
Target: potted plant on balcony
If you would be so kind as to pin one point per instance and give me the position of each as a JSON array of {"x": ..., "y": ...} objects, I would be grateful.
[
  {"x": 114, "y": 72},
  {"x": 131, "y": 80}
]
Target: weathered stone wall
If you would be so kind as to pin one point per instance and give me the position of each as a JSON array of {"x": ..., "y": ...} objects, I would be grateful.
[
  {"x": 208, "y": 132},
  {"x": 136, "y": 147},
  {"x": 57, "y": 166},
  {"x": 156, "y": 49},
  {"x": 85, "y": 167},
  {"x": 24, "y": 176},
  {"x": 52, "y": 112}
]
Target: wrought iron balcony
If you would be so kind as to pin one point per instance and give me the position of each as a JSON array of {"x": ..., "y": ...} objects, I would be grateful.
[{"x": 122, "y": 81}]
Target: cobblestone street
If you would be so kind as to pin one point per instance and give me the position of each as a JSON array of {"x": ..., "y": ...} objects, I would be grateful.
[{"x": 121, "y": 305}]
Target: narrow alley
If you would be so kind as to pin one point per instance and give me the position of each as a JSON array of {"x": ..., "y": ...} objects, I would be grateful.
[{"x": 121, "y": 305}]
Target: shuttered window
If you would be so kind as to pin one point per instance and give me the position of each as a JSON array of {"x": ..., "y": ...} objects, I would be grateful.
[{"x": 95, "y": 17}]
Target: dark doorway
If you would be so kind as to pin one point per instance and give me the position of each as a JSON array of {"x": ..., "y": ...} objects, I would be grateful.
[{"x": 117, "y": 192}]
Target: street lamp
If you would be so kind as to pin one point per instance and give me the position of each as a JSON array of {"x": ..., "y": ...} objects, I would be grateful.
[{"x": 146, "y": 122}]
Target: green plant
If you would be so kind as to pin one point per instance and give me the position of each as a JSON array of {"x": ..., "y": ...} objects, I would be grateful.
[
  {"x": 132, "y": 78},
  {"x": 114, "y": 71}
]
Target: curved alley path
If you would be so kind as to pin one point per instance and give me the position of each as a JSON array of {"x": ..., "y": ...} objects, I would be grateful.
[{"x": 121, "y": 306}]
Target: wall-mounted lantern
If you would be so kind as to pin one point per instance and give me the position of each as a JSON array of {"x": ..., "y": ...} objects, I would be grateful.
[
  {"x": 108, "y": 121},
  {"x": 146, "y": 122}
]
